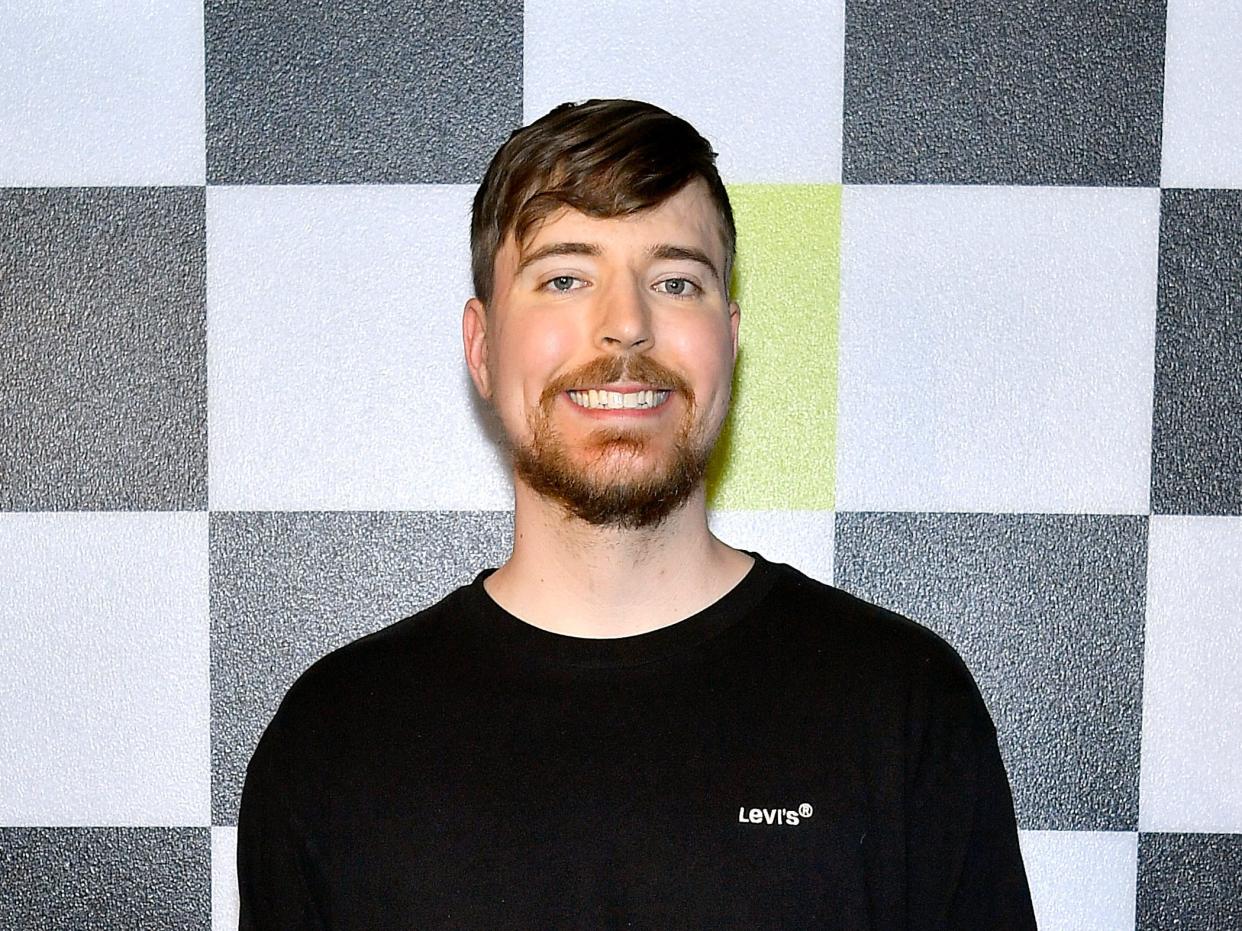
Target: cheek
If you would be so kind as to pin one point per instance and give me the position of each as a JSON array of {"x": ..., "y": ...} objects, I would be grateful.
[
  {"x": 704, "y": 350},
  {"x": 530, "y": 357}
]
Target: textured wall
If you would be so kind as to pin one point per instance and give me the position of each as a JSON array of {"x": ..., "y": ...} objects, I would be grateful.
[{"x": 990, "y": 376}]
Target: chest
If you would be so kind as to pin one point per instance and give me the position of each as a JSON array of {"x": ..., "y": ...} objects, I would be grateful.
[{"x": 621, "y": 810}]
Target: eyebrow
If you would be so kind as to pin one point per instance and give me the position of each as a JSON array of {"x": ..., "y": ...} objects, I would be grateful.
[
  {"x": 684, "y": 253},
  {"x": 663, "y": 251},
  {"x": 558, "y": 248}
]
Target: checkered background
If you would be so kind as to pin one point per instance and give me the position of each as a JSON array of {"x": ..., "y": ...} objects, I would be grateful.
[{"x": 990, "y": 377}]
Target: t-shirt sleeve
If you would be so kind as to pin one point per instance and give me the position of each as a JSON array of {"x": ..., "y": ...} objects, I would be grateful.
[
  {"x": 992, "y": 891},
  {"x": 964, "y": 864},
  {"x": 275, "y": 865}
]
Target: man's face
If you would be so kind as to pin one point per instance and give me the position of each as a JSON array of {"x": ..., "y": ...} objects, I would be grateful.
[{"x": 608, "y": 355}]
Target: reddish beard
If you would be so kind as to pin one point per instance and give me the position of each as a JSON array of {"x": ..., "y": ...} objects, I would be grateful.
[{"x": 617, "y": 499}]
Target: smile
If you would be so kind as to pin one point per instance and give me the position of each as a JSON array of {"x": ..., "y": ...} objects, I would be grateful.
[{"x": 599, "y": 400}]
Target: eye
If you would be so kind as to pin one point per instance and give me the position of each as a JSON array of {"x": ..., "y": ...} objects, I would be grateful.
[
  {"x": 561, "y": 283},
  {"x": 677, "y": 287}
]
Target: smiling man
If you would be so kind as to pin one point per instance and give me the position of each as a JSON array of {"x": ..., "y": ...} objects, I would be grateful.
[
  {"x": 604, "y": 337},
  {"x": 629, "y": 723}
]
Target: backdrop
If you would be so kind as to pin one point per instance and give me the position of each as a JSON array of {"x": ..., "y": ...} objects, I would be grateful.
[{"x": 990, "y": 377}]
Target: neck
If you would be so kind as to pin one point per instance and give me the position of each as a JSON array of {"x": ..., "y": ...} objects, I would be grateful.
[{"x": 574, "y": 578}]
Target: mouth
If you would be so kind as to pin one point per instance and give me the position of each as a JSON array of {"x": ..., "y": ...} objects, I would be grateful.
[{"x": 602, "y": 399}]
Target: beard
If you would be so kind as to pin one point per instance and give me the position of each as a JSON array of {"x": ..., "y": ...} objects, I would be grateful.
[{"x": 613, "y": 487}]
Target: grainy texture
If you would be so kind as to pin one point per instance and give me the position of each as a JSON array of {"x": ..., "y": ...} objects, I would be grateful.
[
  {"x": 953, "y": 93},
  {"x": 122, "y": 879},
  {"x": 103, "y": 349},
  {"x": 1196, "y": 465},
  {"x": 1047, "y": 611},
  {"x": 1190, "y": 881},
  {"x": 288, "y": 587},
  {"x": 338, "y": 93}
]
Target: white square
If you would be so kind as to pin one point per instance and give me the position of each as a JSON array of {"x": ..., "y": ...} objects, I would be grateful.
[
  {"x": 1202, "y": 131},
  {"x": 102, "y": 93},
  {"x": 762, "y": 82},
  {"x": 224, "y": 898},
  {"x": 803, "y": 539},
  {"x": 104, "y": 691},
  {"x": 1082, "y": 879},
  {"x": 996, "y": 349},
  {"x": 1192, "y": 693},
  {"x": 336, "y": 377}
]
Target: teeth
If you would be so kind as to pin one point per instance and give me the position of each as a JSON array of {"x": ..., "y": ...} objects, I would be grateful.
[{"x": 594, "y": 399}]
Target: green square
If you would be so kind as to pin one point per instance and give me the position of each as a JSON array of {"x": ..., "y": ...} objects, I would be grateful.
[{"x": 777, "y": 449}]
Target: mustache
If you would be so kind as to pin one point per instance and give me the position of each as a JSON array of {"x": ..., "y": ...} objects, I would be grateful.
[{"x": 608, "y": 369}]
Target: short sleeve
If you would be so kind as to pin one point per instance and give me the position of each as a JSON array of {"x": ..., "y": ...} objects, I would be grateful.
[
  {"x": 277, "y": 881},
  {"x": 964, "y": 865},
  {"x": 992, "y": 891}
]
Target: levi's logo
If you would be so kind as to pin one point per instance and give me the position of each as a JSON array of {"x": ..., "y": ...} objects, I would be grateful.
[{"x": 789, "y": 816}]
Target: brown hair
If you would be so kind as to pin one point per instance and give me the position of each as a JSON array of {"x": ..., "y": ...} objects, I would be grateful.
[{"x": 605, "y": 158}]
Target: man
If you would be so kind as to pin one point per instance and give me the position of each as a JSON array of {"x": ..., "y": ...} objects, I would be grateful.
[{"x": 629, "y": 723}]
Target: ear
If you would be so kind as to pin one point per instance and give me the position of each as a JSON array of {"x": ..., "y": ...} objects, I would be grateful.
[
  {"x": 474, "y": 339},
  {"x": 735, "y": 320}
]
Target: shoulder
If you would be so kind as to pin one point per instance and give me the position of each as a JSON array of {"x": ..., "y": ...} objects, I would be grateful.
[
  {"x": 393, "y": 663},
  {"x": 860, "y": 641}
]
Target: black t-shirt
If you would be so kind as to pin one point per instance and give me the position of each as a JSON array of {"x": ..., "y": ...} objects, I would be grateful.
[{"x": 789, "y": 757}]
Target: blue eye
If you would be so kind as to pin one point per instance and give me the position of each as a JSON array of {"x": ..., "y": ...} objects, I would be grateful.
[
  {"x": 561, "y": 282},
  {"x": 678, "y": 287}
]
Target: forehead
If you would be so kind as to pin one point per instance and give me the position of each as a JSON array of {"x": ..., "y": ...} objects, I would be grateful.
[{"x": 689, "y": 217}]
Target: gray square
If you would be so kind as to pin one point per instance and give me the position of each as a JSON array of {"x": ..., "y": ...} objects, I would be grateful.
[
  {"x": 289, "y": 587},
  {"x": 355, "y": 92},
  {"x": 103, "y": 349},
  {"x": 1047, "y": 612},
  {"x": 1190, "y": 881},
  {"x": 144, "y": 879},
  {"x": 973, "y": 92},
  {"x": 1196, "y": 459}
]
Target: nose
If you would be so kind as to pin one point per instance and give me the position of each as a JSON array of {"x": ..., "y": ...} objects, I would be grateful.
[{"x": 624, "y": 320}]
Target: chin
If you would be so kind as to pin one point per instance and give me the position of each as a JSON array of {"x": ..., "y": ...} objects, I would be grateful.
[{"x": 623, "y": 484}]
